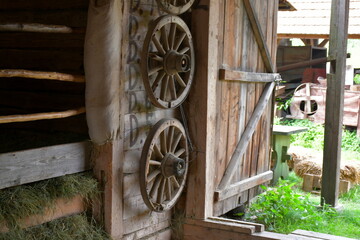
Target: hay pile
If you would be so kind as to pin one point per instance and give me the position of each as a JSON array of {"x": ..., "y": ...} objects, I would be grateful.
[{"x": 310, "y": 164}]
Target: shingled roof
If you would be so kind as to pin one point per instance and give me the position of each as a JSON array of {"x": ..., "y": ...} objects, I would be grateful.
[{"x": 312, "y": 20}]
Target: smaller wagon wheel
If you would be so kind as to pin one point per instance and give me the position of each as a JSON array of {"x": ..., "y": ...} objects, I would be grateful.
[
  {"x": 175, "y": 7},
  {"x": 167, "y": 62},
  {"x": 163, "y": 165},
  {"x": 308, "y": 99}
]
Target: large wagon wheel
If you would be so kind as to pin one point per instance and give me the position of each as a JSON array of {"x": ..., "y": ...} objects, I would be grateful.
[
  {"x": 309, "y": 101},
  {"x": 163, "y": 165},
  {"x": 167, "y": 62},
  {"x": 175, "y": 7}
]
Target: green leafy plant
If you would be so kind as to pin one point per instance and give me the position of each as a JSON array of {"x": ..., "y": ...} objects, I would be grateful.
[
  {"x": 357, "y": 79},
  {"x": 282, "y": 209},
  {"x": 283, "y": 104}
]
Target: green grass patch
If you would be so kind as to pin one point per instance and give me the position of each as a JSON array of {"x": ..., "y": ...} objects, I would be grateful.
[
  {"x": 79, "y": 227},
  {"x": 285, "y": 208},
  {"x": 29, "y": 199}
]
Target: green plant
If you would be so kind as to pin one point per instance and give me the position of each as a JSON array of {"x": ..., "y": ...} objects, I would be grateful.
[
  {"x": 283, "y": 104},
  {"x": 357, "y": 79},
  {"x": 282, "y": 209}
]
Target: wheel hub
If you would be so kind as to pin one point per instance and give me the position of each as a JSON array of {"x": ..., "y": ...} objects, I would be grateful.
[
  {"x": 175, "y": 62},
  {"x": 172, "y": 166}
]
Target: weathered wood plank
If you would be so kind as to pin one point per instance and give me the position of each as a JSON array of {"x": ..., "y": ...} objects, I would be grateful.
[
  {"x": 246, "y": 137},
  {"x": 318, "y": 235},
  {"x": 259, "y": 36},
  {"x": 233, "y": 75},
  {"x": 28, "y": 166},
  {"x": 223, "y": 225},
  {"x": 243, "y": 185},
  {"x": 62, "y": 208},
  {"x": 258, "y": 227},
  {"x": 150, "y": 231},
  {"x": 10, "y": 73},
  {"x": 335, "y": 102}
]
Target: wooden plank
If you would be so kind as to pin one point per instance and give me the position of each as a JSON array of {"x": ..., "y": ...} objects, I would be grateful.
[
  {"x": 34, "y": 27},
  {"x": 202, "y": 110},
  {"x": 143, "y": 221},
  {"x": 259, "y": 36},
  {"x": 258, "y": 227},
  {"x": 223, "y": 225},
  {"x": 156, "y": 229},
  {"x": 41, "y": 116},
  {"x": 317, "y": 235},
  {"x": 33, "y": 165},
  {"x": 10, "y": 73},
  {"x": 62, "y": 208},
  {"x": 335, "y": 102},
  {"x": 243, "y": 185},
  {"x": 246, "y": 137},
  {"x": 233, "y": 75}
]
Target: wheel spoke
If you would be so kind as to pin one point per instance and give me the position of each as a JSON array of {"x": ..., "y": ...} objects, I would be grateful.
[
  {"x": 157, "y": 151},
  {"x": 160, "y": 197},
  {"x": 168, "y": 189},
  {"x": 155, "y": 70},
  {"x": 179, "y": 152},
  {"x": 158, "y": 45},
  {"x": 155, "y": 186},
  {"x": 164, "y": 39},
  {"x": 184, "y": 50},
  {"x": 164, "y": 88},
  {"x": 172, "y": 88},
  {"x": 158, "y": 78},
  {"x": 170, "y": 137},
  {"x": 176, "y": 142},
  {"x": 152, "y": 175},
  {"x": 172, "y": 35},
  {"x": 163, "y": 142},
  {"x": 179, "y": 41},
  {"x": 173, "y": 179},
  {"x": 156, "y": 57},
  {"x": 154, "y": 162},
  {"x": 180, "y": 80}
]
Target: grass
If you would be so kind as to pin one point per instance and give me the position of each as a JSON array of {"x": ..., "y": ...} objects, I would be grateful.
[
  {"x": 285, "y": 208},
  {"x": 78, "y": 227},
  {"x": 29, "y": 199}
]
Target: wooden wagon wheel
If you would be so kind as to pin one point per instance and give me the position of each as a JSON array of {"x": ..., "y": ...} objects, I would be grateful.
[
  {"x": 307, "y": 99},
  {"x": 163, "y": 165},
  {"x": 167, "y": 62},
  {"x": 175, "y": 7}
]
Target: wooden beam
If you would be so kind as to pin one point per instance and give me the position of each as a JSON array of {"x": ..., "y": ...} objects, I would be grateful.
[
  {"x": 312, "y": 36},
  {"x": 21, "y": 73},
  {"x": 335, "y": 102},
  {"x": 259, "y": 36},
  {"x": 223, "y": 225},
  {"x": 246, "y": 136},
  {"x": 258, "y": 227},
  {"x": 40, "y": 116},
  {"x": 62, "y": 208},
  {"x": 323, "y": 43},
  {"x": 233, "y": 75},
  {"x": 237, "y": 188},
  {"x": 33, "y": 165},
  {"x": 34, "y": 27}
]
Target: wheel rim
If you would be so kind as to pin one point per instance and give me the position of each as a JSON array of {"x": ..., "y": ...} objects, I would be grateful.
[
  {"x": 308, "y": 98},
  {"x": 167, "y": 62},
  {"x": 164, "y": 165},
  {"x": 175, "y": 7}
]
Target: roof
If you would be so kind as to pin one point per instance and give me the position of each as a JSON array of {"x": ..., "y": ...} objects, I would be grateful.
[{"x": 312, "y": 19}]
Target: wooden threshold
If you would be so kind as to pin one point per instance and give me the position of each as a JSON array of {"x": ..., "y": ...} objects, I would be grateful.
[
  {"x": 243, "y": 185},
  {"x": 34, "y": 27},
  {"x": 9, "y": 73},
  {"x": 316, "y": 235},
  {"x": 234, "y": 75},
  {"x": 41, "y": 116},
  {"x": 17, "y": 168},
  {"x": 62, "y": 208}
]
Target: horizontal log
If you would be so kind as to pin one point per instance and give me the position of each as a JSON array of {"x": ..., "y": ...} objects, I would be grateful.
[
  {"x": 312, "y": 36},
  {"x": 247, "y": 135},
  {"x": 62, "y": 208},
  {"x": 21, "y": 40},
  {"x": 41, "y": 75},
  {"x": 233, "y": 75},
  {"x": 41, "y": 116},
  {"x": 243, "y": 185},
  {"x": 34, "y": 27},
  {"x": 43, "y": 4},
  {"x": 69, "y": 17},
  {"x": 17, "y": 168}
]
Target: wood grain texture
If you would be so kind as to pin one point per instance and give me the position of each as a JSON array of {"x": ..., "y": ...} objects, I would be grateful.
[
  {"x": 10, "y": 73},
  {"x": 28, "y": 166},
  {"x": 232, "y": 75}
]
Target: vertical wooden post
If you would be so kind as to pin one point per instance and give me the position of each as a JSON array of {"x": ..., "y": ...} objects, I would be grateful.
[
  {"x": 335, "y": 102},
  {"x": 202, "y": 110}
]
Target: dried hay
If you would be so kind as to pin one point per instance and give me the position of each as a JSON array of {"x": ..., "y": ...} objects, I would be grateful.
[{"x": 349, "y": 171}]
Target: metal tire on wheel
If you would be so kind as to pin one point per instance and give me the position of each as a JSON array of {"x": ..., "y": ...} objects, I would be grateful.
[
  {"x": 164, "y": 165},
  {"x": 168, "y": 62}
]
